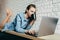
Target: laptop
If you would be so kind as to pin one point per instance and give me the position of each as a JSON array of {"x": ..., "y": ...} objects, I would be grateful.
[{"x": 47, "y": 26}]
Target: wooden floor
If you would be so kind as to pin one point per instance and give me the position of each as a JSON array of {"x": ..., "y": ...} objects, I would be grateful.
[
  {"x": 51, "y": 37},
  {"x": 12, "y": 35}
]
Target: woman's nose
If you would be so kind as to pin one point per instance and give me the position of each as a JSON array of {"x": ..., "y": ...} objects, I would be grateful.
[{"x": 33, "y": 13}]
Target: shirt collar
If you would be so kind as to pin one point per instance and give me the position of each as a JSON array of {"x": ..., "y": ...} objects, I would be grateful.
[{"x": 25, "y": 19}]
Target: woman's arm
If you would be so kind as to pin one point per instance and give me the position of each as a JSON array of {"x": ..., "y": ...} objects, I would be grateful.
[
  {"x": 31, "y": 31},
  {"x": 32, "y": 22},
  {"x": 18, "y": 27}
]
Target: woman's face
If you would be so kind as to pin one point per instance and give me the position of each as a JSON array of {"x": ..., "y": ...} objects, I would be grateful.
[{"x": 31, "y": 11}]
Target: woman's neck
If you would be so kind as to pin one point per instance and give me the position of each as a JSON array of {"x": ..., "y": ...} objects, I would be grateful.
[{"x": 26, "y": 16}]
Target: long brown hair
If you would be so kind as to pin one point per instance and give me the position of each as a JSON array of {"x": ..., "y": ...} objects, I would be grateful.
[{"x": 29, "y": 6}]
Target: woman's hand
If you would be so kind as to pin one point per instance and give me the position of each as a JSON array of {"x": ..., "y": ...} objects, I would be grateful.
[
  {"x": 32, "y": 32},
  {"x": 26, "y": 31}
]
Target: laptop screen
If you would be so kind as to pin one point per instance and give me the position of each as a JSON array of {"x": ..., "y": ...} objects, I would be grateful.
[{"x": 47, "y": 26}]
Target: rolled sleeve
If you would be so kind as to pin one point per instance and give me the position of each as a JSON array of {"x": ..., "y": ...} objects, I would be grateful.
[{"x": 28, "y": 27}]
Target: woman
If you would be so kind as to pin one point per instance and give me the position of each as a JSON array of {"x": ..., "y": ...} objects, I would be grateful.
[{"x": 23, "y": 21}]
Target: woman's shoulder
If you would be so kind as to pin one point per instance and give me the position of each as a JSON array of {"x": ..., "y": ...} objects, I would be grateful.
[{"x": 20, "y": 14}]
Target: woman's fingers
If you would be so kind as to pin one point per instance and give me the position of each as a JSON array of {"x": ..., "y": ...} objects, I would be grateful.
[
  {"x": 31, "y": 32},
  {"x": 26, "y": 31}
]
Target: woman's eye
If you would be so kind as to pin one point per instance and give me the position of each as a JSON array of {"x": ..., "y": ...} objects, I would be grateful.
[{"x": 31, "y": 11}]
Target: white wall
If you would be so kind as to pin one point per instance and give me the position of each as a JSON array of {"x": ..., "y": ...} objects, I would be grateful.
[
  {"x": 2, "y": 7},
  {"x": 56, "y": 10}
]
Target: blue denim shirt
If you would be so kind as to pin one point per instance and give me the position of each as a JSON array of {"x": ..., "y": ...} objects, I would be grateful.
[{"x": 19, "y": 24}]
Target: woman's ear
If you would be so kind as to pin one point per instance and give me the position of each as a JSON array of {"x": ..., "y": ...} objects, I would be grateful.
[{"x": 26, "y": 10}]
